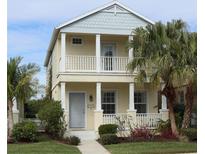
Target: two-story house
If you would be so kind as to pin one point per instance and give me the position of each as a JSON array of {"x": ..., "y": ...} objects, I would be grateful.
[{"x": 87, "y": 57}]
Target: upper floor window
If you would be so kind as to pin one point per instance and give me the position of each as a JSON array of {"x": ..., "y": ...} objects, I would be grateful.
[
  {"x": 140, "y": 102},
  {"x": 77, "y": 41}
]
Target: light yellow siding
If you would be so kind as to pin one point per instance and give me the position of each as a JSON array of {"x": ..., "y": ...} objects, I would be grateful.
[{"x": 88, "y": 46}]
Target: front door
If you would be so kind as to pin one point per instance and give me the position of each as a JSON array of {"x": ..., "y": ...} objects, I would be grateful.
[
  {"x": 107, "y": 52},
  {"x": 77, "y": 110}
]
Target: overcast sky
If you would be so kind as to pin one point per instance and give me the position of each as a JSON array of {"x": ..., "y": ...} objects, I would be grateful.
[{"x": 30, "y": 22}]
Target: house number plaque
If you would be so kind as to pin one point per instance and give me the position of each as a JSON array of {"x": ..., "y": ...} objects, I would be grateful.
[{"x": 91, "y": 106}]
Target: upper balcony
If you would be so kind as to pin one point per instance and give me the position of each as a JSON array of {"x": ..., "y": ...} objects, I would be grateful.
[
  {"x": 97, "y": 53},
  {"x": 75, "y": 63}
]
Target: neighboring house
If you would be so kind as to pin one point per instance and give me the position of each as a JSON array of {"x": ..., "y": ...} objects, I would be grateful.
[{"x": 87, "y": 59}]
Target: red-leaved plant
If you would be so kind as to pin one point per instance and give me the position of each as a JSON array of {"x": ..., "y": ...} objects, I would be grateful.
[{"x": 140, "y": 133}]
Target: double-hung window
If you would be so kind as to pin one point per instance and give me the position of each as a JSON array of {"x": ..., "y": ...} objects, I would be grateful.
[
  {"x": 108, "y": 102},
  {"x": 140, "y": 101}
]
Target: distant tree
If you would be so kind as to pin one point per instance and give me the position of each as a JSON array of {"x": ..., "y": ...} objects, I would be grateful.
[{"x": 21, "y": 85}]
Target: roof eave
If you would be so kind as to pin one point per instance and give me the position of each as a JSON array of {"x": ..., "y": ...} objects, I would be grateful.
[{"x": 51, "y": 45}]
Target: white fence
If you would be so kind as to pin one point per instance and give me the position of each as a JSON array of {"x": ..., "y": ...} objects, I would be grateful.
[
  {"x": 88, "y": 63},
  {"x": 149, "y": 120}
]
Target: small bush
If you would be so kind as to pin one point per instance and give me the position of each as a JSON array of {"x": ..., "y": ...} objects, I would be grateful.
[
  {"x": 107, "y": 139},
  {"x": 73, "y": 140},
  {"x": 164, "y": 128},
  {"x": 141, "y": 133},
  {"x": 52, "y": 116},
  {"x": 191, "y": 133},
  {"x": 107, "y": 129},
  {"x": 25, "y": 132}
]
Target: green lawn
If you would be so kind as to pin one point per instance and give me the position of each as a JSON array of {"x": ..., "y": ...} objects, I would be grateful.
[
  {"x": 152, "y": 148},
  {"x": 46, "y": 147}
]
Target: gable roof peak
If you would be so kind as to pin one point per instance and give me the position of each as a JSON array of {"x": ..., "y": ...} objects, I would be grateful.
[{"x": 114, "y": 2}]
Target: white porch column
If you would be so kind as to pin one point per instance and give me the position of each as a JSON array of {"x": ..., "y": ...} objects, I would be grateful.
[
  {"x": 164, "y": 103},
  {"x": 164, "y": 111},
  {"x": 131, "y": 97},
  {"x": 98, "y": 113},
  {"x": 131, "y": 111},
  {"x": 15, "y": 112},
  {"x": 98, "y": 52},
  {"x": 63, "y": 51},
  {"x": 131, "y": 49},
  {"x": 164, "y": 99},
  {"x": 14, "y": 108},
  {"x": 98, "y": 97},
  {"x": 63, "y": 96}
]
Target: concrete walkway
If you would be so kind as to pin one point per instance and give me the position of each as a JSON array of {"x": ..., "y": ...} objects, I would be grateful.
[{"x": 92, "y": 147}]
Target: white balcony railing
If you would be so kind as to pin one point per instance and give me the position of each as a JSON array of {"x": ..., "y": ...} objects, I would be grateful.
[
  {"x": 88, "y": 63},
  {"x": 80, "y": 63},
  {"x": 117, "y": 64},
  {"x": 149, "y": 120}
]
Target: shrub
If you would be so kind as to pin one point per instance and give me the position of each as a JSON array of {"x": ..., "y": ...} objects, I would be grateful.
[
  {"x": 73, "y": 140},
  {"x": 107, "y": 129},
  {"x": 191, "y": 133},
  {"x": 164, "y": 127},
  {"x": 141, "y": 133},
  {"x": 52, "y": 116},
  {"x": 33, "y": 106},
  {"x": 107, "y": 139},
  {"x": 25, "y": 132}
]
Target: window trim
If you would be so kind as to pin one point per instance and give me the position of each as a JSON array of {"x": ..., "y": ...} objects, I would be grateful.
[
  {"x": 77, "y": 37},
  {"x": 116, "y": 98},
  {"x": 146, "y": 102}
]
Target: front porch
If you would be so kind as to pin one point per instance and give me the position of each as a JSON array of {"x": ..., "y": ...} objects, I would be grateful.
[{"x": 89, "y": 105}]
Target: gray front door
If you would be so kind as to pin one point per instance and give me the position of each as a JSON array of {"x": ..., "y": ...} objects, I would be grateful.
[{"x": 77, "y": 110}]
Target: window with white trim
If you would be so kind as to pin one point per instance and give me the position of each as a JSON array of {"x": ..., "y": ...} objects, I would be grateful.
[
  {"x": 108, "y": 102},
  {"x": 77, "y": 41},
  {"x": 140, "y": 102}
]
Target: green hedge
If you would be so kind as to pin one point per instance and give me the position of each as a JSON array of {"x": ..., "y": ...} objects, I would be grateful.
[
  {"x": 191, "y": 133},
  {"x": 107, "y": 129},
  {"x": 25, "y": 132},
  {"x": 107, "y": 139}
]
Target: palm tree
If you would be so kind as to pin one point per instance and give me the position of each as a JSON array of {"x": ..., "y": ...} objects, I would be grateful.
[
  {"x": 20, "y": 85},
  {"x": 158, "y": 48},
  {"x": 190, "y": 76}
]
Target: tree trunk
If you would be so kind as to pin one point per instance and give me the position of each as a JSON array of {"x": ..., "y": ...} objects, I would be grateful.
[
  {"x": 172, "y": 119},
  {"x": 188, "y": 106},
  {"x": 10, "y": 118},
  {"x": 169, "y": 92}
]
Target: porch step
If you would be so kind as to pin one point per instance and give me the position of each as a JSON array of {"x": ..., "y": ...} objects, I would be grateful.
[{"x": 84, "y": 135}]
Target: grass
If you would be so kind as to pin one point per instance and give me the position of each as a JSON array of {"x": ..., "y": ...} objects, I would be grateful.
[
  {"x": 152, "y": 148},
  {"x": 44, "y": 146}
]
